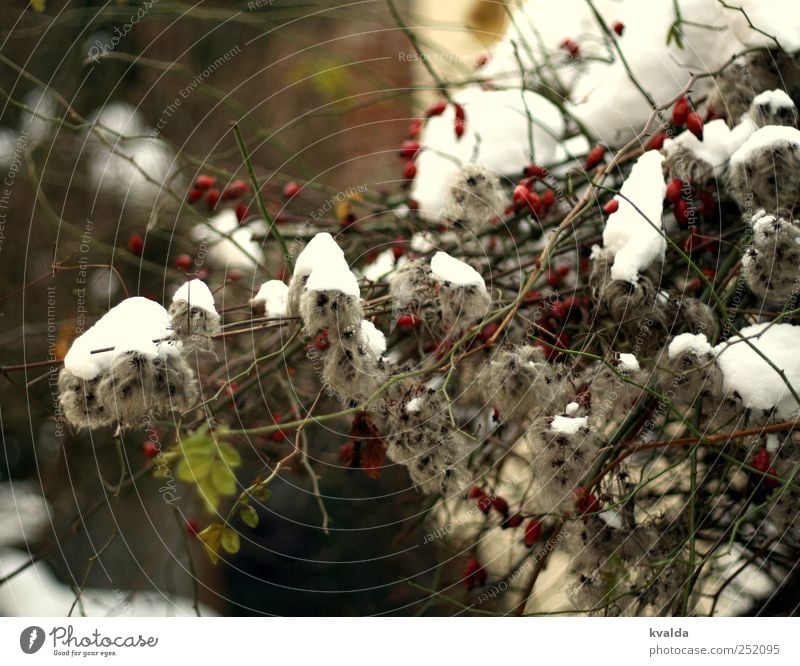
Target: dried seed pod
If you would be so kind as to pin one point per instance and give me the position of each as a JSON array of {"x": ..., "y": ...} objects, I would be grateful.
[
  {"x": 174, "y": 384},
  {"x": 475, "y": 196},
  {"x": 79, "y": 401},
  {"x": 354, "y": 367},
  {"x": 770, "y": 264},
  {"x": 763, "y": 171},
  {"x": 126, "y": 390},
  {"x": 773, "y": 107}
]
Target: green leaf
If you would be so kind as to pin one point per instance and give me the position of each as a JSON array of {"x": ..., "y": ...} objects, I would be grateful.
[
  {"x": 211, "y": 538},
  {"x": 209, "y": 494},
  {"x": 223, "y": 478},
  {"x": 261, "y": 493},
  {"x": 230, "y": 540},
  {"x": 229, "y": 455},
  {"x": 249, "y": 515},
  {"x": 194, "y": 472}
]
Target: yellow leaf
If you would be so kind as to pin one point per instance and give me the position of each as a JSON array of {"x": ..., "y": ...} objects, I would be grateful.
[
  {"x": 193, "y": 472},
  {"x": 209, "y": 494},
  {"x": 230, "y": 540},
  {"x": 249, "y": 515},
  {"x": 211, "y": 538},
  {"x": 229, "y": 455},
  {"x": 223, "y": 478}
]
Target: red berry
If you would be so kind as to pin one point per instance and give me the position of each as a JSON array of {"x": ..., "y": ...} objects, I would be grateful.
[
  {"x": 183, "y": 262},
  {"x": 611, "y": 206},
  {"x": 212, "y": 198},
  {"x": 204, "y": 182},
  {"x": 436, "y": 110},
  {"x": 481, "y": 61},
  {"x": 474, "y": 574},
  {"x": 674, "y": 190},
  {"x": 235, "y": 189},
  {"x": 485, "y": 503},
  {"x": 460, "y": 113},
  {"x": 618, "y": 27},
  {"x": 407, "y": 321},
  {"x": 460, "y": 127},
  {"x": 535, "y": 171},
  {"x": 475, "y": 492},
  {"x": 500, "y": 505},
  {"x": 595, "y": 156},
  {"x": 488, "y": 331},
  {"x": 192, "y": 527},
  {"x": 571, "y": 47},
  {"x": 680, "y": 112},
  {"x": 195, "y": 194},
  {"x": 241, "y": 211},
  {"x": 656, "y": 141},
  {"x": 291, "y": 189},
  {"x": 548, "y": 198},
  {"x": 136, "y": 245},
  {"x": 586, "y": 502},
  {"x": 533, "y": 531},
  {"x": 321, "y": 342},
  {"x": 234, "y": 275},
  {"x": 409, "y": 170},
  {"x": 414, "y": 128},
  {"x": 514, "y": 520},
  {"x": 769, "y": 482},
  {"x": 694, "y": 123},
  {"x": 762, "y": 460},
  {"x": 683, "y": 212},
  {"x": 347, "y": 454},
  {"x": 398, "y": 247},
  {"x": 409, "y": 149},
  {"x": 150, "y": 449}
]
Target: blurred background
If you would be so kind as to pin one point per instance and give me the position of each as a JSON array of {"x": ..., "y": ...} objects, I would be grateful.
[{"x": 322, "y": 93}]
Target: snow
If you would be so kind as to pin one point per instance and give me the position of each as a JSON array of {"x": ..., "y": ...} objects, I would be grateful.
[
  {"x": 449, "y": 269},
  {"x": 413, "y": 406},
  {"x": 373, "y": 337},
  {"x": 773, "y": 444},
  {"x": 718, "y": 144},
  {"x": 636, "y": 242},
  {"x": 383, "y": 265},
  {"x": 605, "y": 98},
  {"x": 229, "y": 244},
  {"x": 422, "y": 243},
  {"x": 320, "y": 249},
  {"x": 747, "y": 373},
  {"x": 767, "y": 138},
  {"x": 272, "y": 294},
  {"x": 196, "y": 292},
  {"x": 132, "y": 325},
  {"x": 773, "y": 98},
  {"x": 778, "y": 18},
  {"x": 571, "y": 408},
  {"x": 333, "y": 274},
  {"x": 568, "y": 425},
  {"x": 628, "y": 363},
  {"x": 496, "y": 137},
  {"x": 689, "y": 342},
  {"x": 135, "y": 169},
  {"x": 612, "y": 518}
]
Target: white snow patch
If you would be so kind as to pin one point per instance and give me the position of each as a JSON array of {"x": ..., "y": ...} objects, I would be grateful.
[
  {"x": 689, "y": 342},
  {"x": 769, "y": 137},
  {"x": 612, "y": 518},
  {"x": 449, "y": 269},
  {"x": 132, "y": 325},
  {"x": 572, "y": 408},
  {"x": 320, "y": 249},
  {"x": 496, "y": 137},
  {"x": 569, "y": 425},
  {"x": 230, "y": 245},
  {"x": 272, "y": 294},
  {"x": 747, "y": 373},
  {"x": 196, "y": 292},
  {"x": 628, "y": 363},
  {"x": 373, "y": 337},
  {"x": 413, "y": 406},
  {"x": 383, "y": 265},
  {"x": 635, "y": 237},
  {"x": 773, "y": 98},
  {"x": 333, "y": 274}
]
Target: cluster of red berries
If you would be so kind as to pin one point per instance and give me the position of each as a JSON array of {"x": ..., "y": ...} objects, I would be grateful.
[
  {"x": 684, "y": 115},
  {"x": 205, "y": 187},
  {"x": 586, "y": 502},
  {"x": 526, "y": 199},
  {"x": 689, "y": 200}
]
